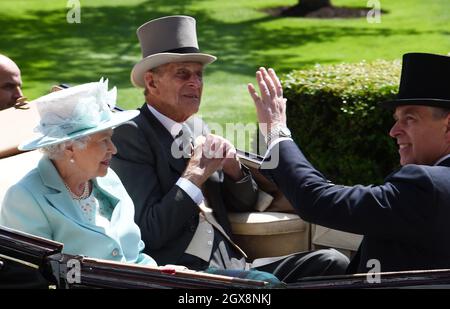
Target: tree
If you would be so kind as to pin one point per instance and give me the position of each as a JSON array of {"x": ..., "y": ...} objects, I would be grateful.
[
  {"x": 322, "y": 9},
  {"x": 304, "y": 7}
]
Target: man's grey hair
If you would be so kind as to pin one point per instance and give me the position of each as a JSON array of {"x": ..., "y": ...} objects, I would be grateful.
[
  {"x": 158, "y": 70},
  {"x": 56, "y": 151},
  {"x": 440, "y": 112}
]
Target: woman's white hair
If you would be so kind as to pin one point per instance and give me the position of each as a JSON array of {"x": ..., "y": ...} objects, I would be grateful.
[{"x": 56, "y": 151}]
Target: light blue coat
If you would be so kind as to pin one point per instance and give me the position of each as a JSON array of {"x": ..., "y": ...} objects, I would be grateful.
[{"x": 40, "y": 204}]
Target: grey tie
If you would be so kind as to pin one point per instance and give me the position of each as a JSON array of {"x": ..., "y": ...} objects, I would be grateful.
[{"x": 185, "y": 141}]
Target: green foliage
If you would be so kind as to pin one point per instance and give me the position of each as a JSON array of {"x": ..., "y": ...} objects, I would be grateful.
[
  {"x": 240, "y": 33},
  {"x": 334, "y": 116}
]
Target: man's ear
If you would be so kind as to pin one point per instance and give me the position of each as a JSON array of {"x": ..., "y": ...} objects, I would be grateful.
[
  {"x": 447, "y": 133},
  {"x": 149, "y": 79}
]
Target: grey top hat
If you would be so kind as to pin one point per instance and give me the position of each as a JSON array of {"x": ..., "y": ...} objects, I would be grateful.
[{"x": 164, "y": 40}]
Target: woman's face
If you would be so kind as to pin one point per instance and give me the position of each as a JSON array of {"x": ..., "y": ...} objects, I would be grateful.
[{"x": 94, "y": 160}]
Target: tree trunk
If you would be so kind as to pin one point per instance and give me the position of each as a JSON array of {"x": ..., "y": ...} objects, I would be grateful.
[{"x": 312, "y": 5}]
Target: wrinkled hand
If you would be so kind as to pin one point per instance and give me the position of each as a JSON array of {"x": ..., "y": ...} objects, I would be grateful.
[
  {"x": 270, "y": 106},
  {"x": 211, "y": 153},
  {"x": 231, "y": 165}
]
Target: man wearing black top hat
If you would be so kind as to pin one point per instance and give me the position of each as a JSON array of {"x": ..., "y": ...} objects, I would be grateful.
[{"x": 405, "y": 221}]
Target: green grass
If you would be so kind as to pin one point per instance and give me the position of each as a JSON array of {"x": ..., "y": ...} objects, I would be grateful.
[{"x": 49, "y": 50}]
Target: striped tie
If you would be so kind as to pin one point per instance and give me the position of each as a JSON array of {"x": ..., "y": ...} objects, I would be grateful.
[{"x": 185, "y": 141}]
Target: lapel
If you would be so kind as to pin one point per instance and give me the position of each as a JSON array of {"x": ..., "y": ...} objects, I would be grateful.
[
  {"x": 122, "y": 214},
  {"x": 165, "y": 139},
  {"x": 61, "y": 200},
  {"x": 104, "y": 186}
]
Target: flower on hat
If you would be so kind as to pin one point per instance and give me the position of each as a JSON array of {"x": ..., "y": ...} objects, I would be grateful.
[
  {"x": 75, "y": 109},
  {"x": 76, "y": 112}
]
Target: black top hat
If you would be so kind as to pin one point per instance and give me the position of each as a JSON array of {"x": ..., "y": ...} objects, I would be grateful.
[{"x": 425, "y": 80}]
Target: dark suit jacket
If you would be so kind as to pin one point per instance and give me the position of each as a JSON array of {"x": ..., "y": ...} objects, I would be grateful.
[
  {"x": 167, "y": 216},
  {"x": 405, "y": 221}
]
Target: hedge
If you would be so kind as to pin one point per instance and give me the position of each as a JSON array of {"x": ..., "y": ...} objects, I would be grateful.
[{"x": 334, "y": 116}]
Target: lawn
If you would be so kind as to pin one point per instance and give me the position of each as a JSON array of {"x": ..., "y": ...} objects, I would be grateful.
[{"x": 49, "y": 50}]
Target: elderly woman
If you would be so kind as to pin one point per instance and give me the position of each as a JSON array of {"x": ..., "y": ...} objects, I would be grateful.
[{"x": 72, "y": 196}]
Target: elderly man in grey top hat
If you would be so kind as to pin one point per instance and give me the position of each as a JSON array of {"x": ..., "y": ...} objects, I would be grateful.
[{"x": 181, "y": 194}]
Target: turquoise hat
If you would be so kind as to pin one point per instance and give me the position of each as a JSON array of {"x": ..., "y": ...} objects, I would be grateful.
[{"x": 76, "y": 112}]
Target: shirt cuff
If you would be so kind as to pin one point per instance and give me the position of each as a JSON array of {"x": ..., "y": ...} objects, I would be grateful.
[
  {"x": 192, "y": 190},
  {"x": 275, "y": 142}
]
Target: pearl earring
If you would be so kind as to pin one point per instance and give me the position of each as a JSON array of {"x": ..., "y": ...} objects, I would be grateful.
[{"x": 72, "y": 161}]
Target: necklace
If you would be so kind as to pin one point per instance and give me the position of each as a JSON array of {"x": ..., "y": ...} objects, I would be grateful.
[{"x": 83, "y": 195}]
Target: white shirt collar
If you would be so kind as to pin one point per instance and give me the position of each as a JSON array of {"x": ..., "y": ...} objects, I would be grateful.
[
  {"x": 171, "y": 125},
  {"x": 442, "y": 159}
]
